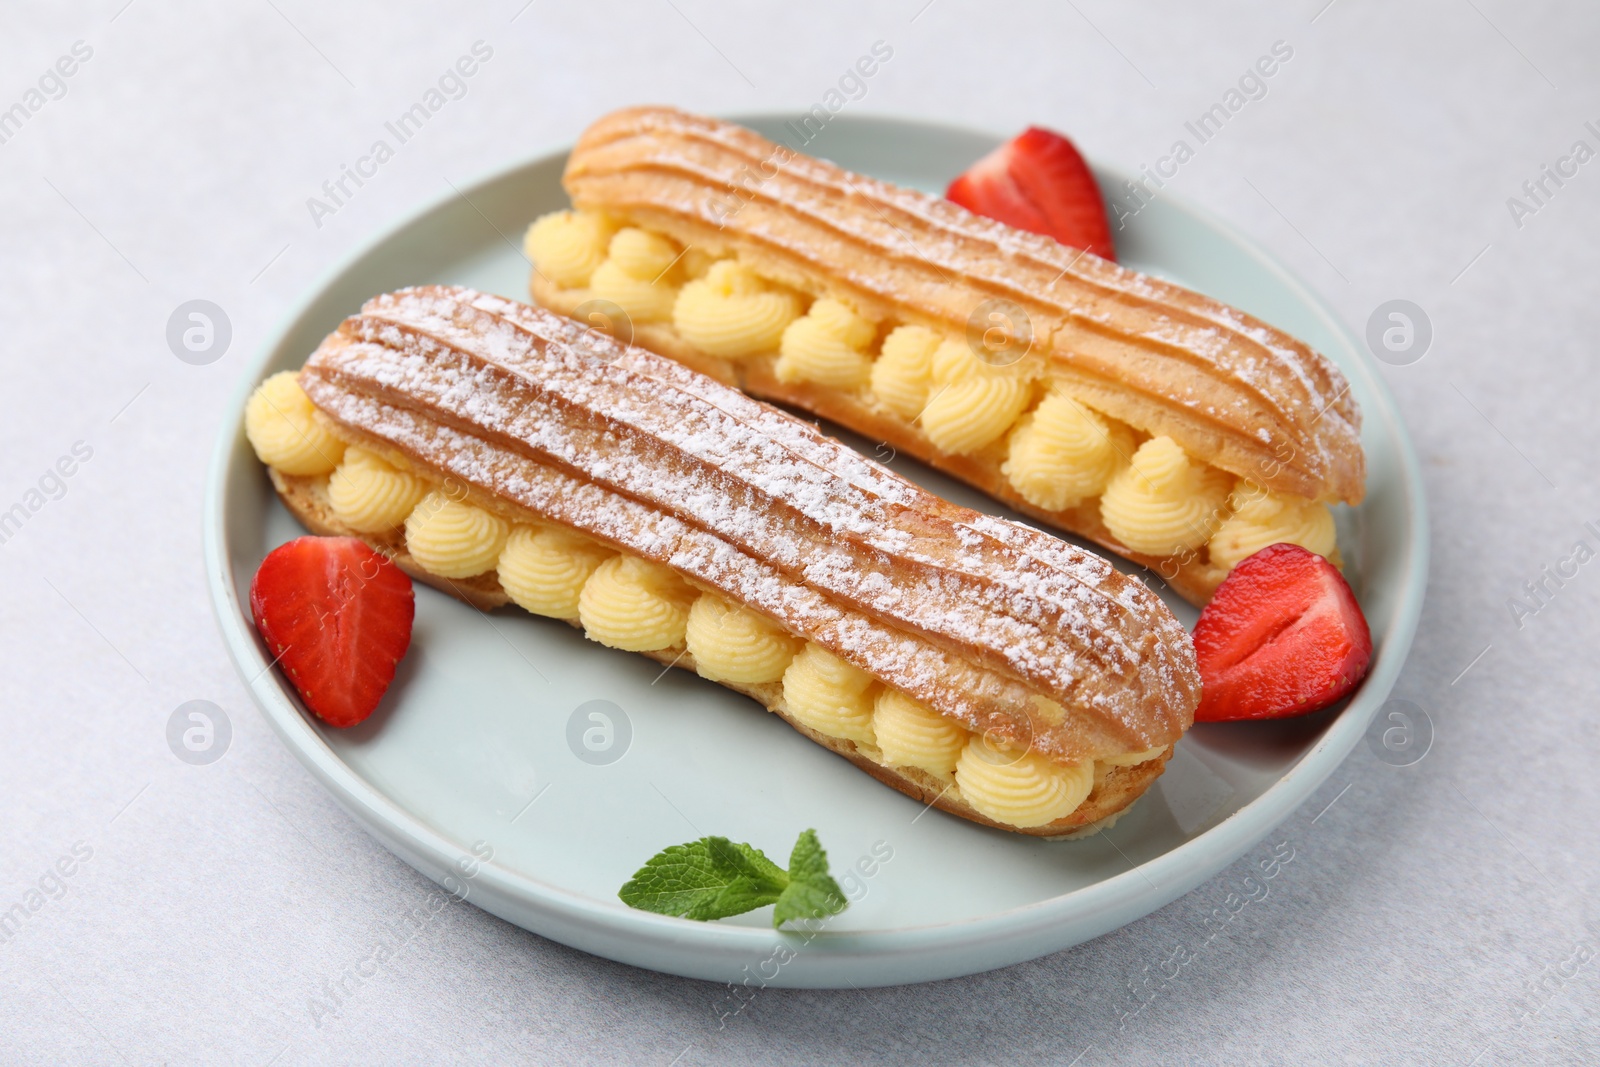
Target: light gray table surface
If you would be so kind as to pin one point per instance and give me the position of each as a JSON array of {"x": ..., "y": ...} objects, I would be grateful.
[{"x": 1446, "y": 912}]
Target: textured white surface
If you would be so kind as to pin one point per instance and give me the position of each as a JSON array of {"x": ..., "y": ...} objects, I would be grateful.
[{"x": 1432, "y": 914}]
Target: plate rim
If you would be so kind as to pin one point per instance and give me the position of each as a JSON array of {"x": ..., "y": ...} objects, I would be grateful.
[{"x": 842, "y": 957}]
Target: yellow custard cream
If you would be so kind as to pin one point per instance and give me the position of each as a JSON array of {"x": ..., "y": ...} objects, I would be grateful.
[
  {"x": 567, "y": 246},
  {"x": 911, "y": 734},
  {"x": 1261, "y": 518},
  {"x": 732, "y": 313},
  {"x": 280, "y": 422},
  {"x": 370, "y": 496},
  {"x": 829, "y": 695},
  {"x": 1164, "y": 502},
  {"x": 971, "y": 402},
  {"x": 639, "y": 275},
  {"x": 452, "y": 538},
  {"x": 635, "y": 605},
  {"x": 733, "y": 644},
  {"x": 826, "y": 345},
  {"x": 543, "y": 569},
  {"x": 904, "y": 370},
  {"x": 1063, "y": 453},
  {"x": 1020, "y": 788},
  {"x": 1156, "y": 501}
]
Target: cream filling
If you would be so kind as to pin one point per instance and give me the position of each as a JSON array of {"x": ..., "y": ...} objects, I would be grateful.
[
  {"x": 827, "y": 345},
  {"x": 1063, "y": 453},
  {"x": 370, "y": 496},
  {"x": 281, "y": 425},
  {"x": 911, "y": 734},
  {"x": 1165, "y": 502},
  {"x": 544, "y": 569},
  {"x": 829, "y": 695},
  {"x": 971, "y": 403},
  {"x": 567, "y": 246},
  {"x": 452, "y": 538},
  {"x": 639, "y": 275},
  {"x": 1261, "y": 518},
  {"x": 903, "y": 371},
  {"x": 635, "y": 605},
  {"x": 732, "y": 313},
  {"x": 1020, "y": 788},
  {"x": 733, "y": 644},
  {"x": 1060, "y": 455}
]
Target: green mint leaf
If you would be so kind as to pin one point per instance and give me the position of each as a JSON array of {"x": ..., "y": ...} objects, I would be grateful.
[
  {"x": 811, "y": 893},
  {"x": 711, "y": 878}
]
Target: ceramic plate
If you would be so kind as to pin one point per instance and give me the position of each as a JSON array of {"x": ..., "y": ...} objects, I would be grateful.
[{"x": 478, "y": 772}]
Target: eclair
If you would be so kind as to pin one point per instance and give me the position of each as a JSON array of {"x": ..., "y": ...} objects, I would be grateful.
[
  {"x": 1163, "y": 425},
  {"x": 508, "y": 455}
]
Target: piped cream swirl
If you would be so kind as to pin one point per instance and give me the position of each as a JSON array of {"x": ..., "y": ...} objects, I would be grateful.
[
  {"x": 972, "y": 402},
  {"x": 911, "y": 734},
  {"x": 567, "y": 246},
  {"x": 639, "y": 275},
  {"x": 904, "y": 370},
  {"x": 635, "y": 605},
  {"x": 732, "y": 313},
  {"x": 371, "y": 496},
  {"x": 543, "y": 569},
  {"x": 826, "y": 345},
  {"x": 1064, "y": 453},
  {"x": 733, "y": 644},
  {"x": 281, "y": 424},
  {"x": 829, "y": 695},
  {"x": 1261, "y": 518},
  {"x": 1164, "y": 502},
  {"x": 452, "y": 538},
  {"x": 1020, "y": 788}
]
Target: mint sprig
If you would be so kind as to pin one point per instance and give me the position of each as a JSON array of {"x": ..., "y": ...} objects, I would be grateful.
[{"x": 713, "y": 878}]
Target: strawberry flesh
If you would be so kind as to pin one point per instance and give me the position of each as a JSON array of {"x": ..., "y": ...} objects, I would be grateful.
[
  {"x": 1282, "y": 636},
  {"x": 1038, "y": 182},
  {"x": 336, "y": 616}
]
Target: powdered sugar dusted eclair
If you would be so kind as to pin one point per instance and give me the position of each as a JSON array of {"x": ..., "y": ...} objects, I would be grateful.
[
  {"x": 1164, "y": 425},
  {"x": 505, "y": 454}
]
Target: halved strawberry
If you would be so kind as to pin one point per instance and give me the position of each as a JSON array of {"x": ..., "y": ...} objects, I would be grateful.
[
  {"x": 337, "y": 617},
  {"x": 1037, "y": 181},
  {"x": 1282, "y": 636}
]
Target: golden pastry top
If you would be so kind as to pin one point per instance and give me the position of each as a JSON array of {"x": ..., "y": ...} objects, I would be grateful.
[
  {"x": 646, "y": 456},
  {"x": 1232, "y": 390}
]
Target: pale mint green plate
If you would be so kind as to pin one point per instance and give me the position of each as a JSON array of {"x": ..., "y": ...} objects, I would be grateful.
[{"x": 469, "y": 756}]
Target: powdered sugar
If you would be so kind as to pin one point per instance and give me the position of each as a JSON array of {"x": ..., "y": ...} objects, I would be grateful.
[
  {"x": 921, "y": 254},
  {"x": 639, "y": 451}
]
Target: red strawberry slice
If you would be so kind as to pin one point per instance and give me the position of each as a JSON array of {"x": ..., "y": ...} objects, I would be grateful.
[
  {"x": 1037, "y": 181},
  {"x": 1282, "y": 636},
  {"x": 337, "y": 617}
]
